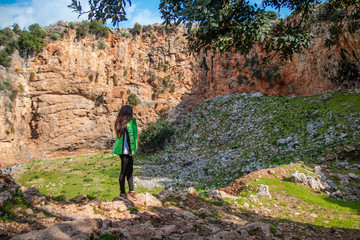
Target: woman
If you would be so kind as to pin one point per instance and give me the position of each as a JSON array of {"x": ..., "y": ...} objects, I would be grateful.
[{"x": 125, "y": 146}]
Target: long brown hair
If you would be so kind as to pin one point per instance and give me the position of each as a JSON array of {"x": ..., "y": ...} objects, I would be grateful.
[{"x": 124, "y": 116}]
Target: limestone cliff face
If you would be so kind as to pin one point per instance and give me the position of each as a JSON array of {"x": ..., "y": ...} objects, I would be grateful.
[
  {"x": 69, "y": 94},
  {"x": 317, "y": 69},
  {"x": 73, "y": 90}
]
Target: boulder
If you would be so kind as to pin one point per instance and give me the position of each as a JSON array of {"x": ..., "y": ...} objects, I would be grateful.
[
  {"x": 262, "y": 230},
  {"x": 32, "y": 195},
  {"x": 74, "y": 230},
  {"x": 148, "y": 200},
  {"x": 118, "y": 206},
  {"x": 79, "y": 198},
  {"x": 315, "y": 184},
  {"x": 263, "y": 190},
  {"x": 298, "y": 178}
]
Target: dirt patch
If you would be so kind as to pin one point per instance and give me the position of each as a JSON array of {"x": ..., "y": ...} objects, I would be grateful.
[{"x": 236, "y": 187}]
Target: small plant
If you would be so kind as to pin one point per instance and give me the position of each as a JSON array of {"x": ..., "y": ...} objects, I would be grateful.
[
  {"x": 126, "y": 35},
  {"x": 114, "y": 78},
  {"x": 101, "y": 45},
  {"x": 172, "y": 88},
  {"x": 155, "y": 135},
  {"x": 21, "y": 88},
  {"x": 133, "y": 100},
  {"x": 2, "y": 86},
  {"x": 32, "y": 76},
  {"x": 97, "y": 77},
  {"x": 72, "y": 25},
  {"x": 91, "y": 77},
  {"x": 55, "y": 36},
  {"x": 108, "y": 236}
]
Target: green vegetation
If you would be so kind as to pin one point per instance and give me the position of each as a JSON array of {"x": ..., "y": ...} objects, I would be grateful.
[
  {"x": 7, "y": 88},
  {"x": 155, "y": 135},
  {"x": 133, "y": 100},
  {"x": 32, "y": 40},
  {"x": 55, "y": 36},
  {"x": 94, "y": 175},
  {"x": 137, "y": 29},
  {"x": 7, "y": 211},
  {"x": 223, "y": 25},
  {"x": 302, "y": 199},
  {"x": 101, "y": 45},
  {"x": 94, "y": 27}
]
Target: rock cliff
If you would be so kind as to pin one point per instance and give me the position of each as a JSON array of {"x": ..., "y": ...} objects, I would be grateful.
[{"x": 68, "y": 95}]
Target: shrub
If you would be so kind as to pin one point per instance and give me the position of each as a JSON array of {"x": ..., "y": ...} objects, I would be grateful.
[
  {"x": 32, "y": 76},
  {"x": 114, "y": 77},
  {"x": 82, "y": 29},
  {"x": 2, "y": 87},
  {"x": 91, "y": 77},
  {"x": 101, "y": 45},
  {"x": 125, "y": 73},
  {"x": 5, "y": 59},
  {"x": 97, "y": 28},
  {"x": 125, "y": 34},
  {"x": 155, "y": 135},
  {"x": 55, "y": 36},
  {"x": 72, "y": 25},
  {"x": 133, "y": 100},
  {"x": 32, "y": 40},
  {"x": 137, "y": 28}
]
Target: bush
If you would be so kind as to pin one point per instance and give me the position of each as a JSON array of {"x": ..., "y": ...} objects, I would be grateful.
[
  {"x": 32, "y": 40},
  {"x": 125, "y": 34},
  {"x": 133, "y": 100},
  {"x": 82, "y": 29},
  {"x": 137, "y": 28},
  {"x": 97, "y": 28},
  {"x": 101, "y": 45},
  {"x": 32, "y": 76},
  {"x": 155, "y": 135},
  {"x": 55, "y": 36}
]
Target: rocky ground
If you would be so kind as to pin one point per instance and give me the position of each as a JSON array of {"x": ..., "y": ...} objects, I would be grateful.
[
  {"x": 232, "y": 135},
  {"x": 286, "y": 167},
  {"x": 172, "y": 214}
]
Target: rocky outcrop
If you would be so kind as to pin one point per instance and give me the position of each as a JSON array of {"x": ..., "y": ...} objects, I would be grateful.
[{"x": 68, "y": 95}]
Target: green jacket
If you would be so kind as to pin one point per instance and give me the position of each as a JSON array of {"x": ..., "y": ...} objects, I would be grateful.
[{"x": 133, "y": 136}]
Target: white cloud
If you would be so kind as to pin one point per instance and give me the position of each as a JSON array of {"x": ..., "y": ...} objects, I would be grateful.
[
  {"x": 134, "y": 14},
  {"x": 45, "y": 12},
  {"x": 42, "y": 12}
]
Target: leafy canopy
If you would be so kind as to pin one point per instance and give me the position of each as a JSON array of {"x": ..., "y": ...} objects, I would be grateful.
[{"x": 224, "y": 24}]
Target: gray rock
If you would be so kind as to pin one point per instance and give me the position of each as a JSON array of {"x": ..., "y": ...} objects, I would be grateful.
[
  {"x": 353, "y": 176},
  {"x": 262, "y": 230},
  {"x": 4, "y": 196},
  {"x": 317, "y": 170},
  {"x": 337, "y": 194},
  {"x": 298, "y": 178},
  {"x": 79, "y": 198},
  {"x": 315, "y": 184},
  {"x": 256, "y": 94},
  {"x": 74, "y": 230},
  {"x": 32, "y": 195},
  {"x": 263, "y": 190}
]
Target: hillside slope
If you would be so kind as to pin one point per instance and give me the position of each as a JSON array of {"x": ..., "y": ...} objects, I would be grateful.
[{"x": 232, "y": 135}]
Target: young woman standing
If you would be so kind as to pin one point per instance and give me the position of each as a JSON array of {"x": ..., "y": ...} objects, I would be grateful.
[{"x": 125, "y": 146}]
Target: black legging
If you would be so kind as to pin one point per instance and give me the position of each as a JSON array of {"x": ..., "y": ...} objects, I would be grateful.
[{"x": 127, "y": 163}]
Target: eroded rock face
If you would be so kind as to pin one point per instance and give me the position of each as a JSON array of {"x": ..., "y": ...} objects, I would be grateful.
[{"x": 70, "y": 92}]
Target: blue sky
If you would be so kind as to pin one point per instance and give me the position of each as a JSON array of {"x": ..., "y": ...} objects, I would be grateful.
[{"x": 46, "y": 12}]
